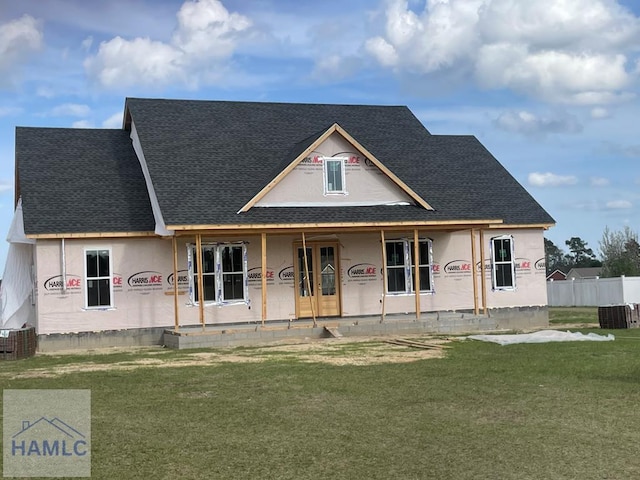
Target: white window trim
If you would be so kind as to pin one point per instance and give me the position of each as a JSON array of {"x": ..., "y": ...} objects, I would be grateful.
[
  {"x": 494, "y": 277},
  {"x": 343, "y": 162},
  {"x": 408, "y": 280},
  {"x": 219, "y": 291},
  {"x": 111, "y": 305}
]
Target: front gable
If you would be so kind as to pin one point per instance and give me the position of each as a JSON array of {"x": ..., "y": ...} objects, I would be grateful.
[{"x": 335, "y": 170}]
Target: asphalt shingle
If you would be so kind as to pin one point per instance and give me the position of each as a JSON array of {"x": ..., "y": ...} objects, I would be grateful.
[
  {"x": 207, "y": 159},
  {"x": 80, "y": 180}
]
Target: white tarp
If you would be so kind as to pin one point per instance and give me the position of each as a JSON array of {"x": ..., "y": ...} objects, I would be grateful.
[
  {"x": 15, "y": 293},
  {"x": 543, "y": 336}
]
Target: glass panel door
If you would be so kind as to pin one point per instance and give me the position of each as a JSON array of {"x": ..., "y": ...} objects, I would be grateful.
[
  {"x": 327, "y": 271},
  {"x": 303, "y": 285}
]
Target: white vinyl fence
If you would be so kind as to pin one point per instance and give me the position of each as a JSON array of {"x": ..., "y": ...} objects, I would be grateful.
[{"x": 593, "y": 292}]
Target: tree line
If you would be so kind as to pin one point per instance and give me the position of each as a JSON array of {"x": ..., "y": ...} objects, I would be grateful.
[{"x": 619, "y": 254}]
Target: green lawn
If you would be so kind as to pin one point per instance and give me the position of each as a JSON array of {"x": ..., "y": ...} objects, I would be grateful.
[
  {"x": 547, "y": 411},
  {"x": 558, "y": 315}
]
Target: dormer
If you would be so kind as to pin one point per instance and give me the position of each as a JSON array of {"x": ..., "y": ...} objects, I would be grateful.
[{"x": 334, "y": 169}]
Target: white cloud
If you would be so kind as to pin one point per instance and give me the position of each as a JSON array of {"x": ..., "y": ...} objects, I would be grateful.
[
  {"x": 599, "y": 181},
  {"x": 121, "y": 62},
  {"x": 618, "y": 204},
  {"x": 599, "y": 112},
  {"x": 206, "y": 35},
  {"x": 382, "y": 50},
  {"x": 18, "y": 39},
  {"x": 549, "y": 179},
  {"x": 45, "y": 92},
  {"x": 114, "y": 121},
  {"x": 71, "y": 110},
  {"x": 335, "y": 67},
  {"x": 529, "y": 123},
  {"x": 206, "y": 29},
  {"x": 82, "y": 124},
  {"x": 86, "y": 43},
  {"x": 571, "y": 52}
]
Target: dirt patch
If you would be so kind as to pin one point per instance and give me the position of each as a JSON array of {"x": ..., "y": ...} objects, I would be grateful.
[{"x": 332, "y": 351}]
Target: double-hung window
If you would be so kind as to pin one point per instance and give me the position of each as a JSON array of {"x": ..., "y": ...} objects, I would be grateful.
[
  {"x": 334, "y": 175},
  {"x": 503, "y": 269},
  {"x": 224, "y": 273},
  {"x": 401, "y": 266},
  {"x": 98, "y": 285}
]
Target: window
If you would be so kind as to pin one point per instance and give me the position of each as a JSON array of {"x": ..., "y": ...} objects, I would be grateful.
[
  {"x": 232, "y": 273},
  {"x": 98, "y": 286},
  {"x": 224, "y": 273},
  {"x": 503, "y": 273},
  {"x": 401, "y": 266},
  {"x": 334, "y": 181}
]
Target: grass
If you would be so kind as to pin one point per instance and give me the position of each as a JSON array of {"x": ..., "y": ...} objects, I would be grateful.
[
  {"x": 561, "y": 315},
  {"x": 560, "y": 410}
]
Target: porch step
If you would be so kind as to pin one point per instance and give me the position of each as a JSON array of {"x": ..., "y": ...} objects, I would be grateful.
[{"x": 333, "y": 331}]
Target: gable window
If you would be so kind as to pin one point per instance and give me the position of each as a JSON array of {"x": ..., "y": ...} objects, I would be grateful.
[
  {"x": 503, "y": 270},
  {"x": 98, "y": 285},
  {"x": 224, "y": 273},
  {"x": 401, "y": 266},
  {"x": 334, "y": 175}
]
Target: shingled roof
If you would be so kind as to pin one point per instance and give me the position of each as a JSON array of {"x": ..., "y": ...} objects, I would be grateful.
[
  {"x": 207, "y": 159},
  {"x": 80, "y": 181}
]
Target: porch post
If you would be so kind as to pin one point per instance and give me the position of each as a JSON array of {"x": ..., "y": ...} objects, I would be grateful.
[
  {"x": 306, "y": 274},
  {"x": 174, "y": 245},
  {"x": 474, "y": 274},
  {"x": 416, "y": 271},
  {"x": 200, "y": 279},
  {"x": 483, "y": 282},
  {"x": 384, "y": 273},
  {"x": 264, "y": 277}
]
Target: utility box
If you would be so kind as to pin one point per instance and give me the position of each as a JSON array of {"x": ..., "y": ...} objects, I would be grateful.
[
  {"x": 619, "y": 316},
  {"x": 18, "y": 343}
]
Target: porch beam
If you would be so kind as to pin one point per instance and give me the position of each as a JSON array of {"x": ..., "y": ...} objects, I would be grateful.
[
  {"x": 416, "y": 270},
  {"x": 264, "y": 277},
  {"x": 474, "y": 273},
  {"x": 174, "y": 247},
  {"x": 407, "y": 224},
  {"x": 483, "y": 282},
  {"x": 384, "y": 273},
  {"x": 306, "y": 274},
  {"x": 200, "y": 279}
]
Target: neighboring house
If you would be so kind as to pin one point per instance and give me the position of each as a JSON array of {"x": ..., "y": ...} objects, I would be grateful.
[
  {"x": 556, "y": 275},
  {"x": 584, "y": 273},
  {"x": 208, "y": 212}
]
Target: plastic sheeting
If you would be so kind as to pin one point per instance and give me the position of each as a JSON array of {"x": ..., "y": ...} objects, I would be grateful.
[
  {"x": 17, "y": 286},
  {"x": 543, "y": 336}
]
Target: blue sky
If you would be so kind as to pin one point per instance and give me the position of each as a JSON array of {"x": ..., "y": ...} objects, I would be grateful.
[{"x": 549, "y": 87}]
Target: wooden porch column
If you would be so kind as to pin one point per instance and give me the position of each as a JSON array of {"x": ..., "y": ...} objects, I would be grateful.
[
  {"x": 384, "y": 273},
  {"x": 416, "y": 275},
  {"x": 306, "y": 274},
  {"x": 174, "y": 245},
  {"x": 483, "y": 282},
  {"x": 264, "y": 277},
  {"x": 474, "y": 273},
  {"x": 200, "y": 279}
]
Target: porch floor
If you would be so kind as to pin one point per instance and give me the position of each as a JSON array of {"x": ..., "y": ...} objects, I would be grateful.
[{"x": 255, "y": 333}]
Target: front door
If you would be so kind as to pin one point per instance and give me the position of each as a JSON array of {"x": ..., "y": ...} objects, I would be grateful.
[{"x": 321, "y": 293}]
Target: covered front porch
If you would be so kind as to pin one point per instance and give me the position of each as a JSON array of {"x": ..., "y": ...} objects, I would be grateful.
[{"x": 300, "y": 275}]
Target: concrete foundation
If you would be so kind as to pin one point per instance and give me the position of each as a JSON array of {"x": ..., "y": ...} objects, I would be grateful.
[
  {"x": 247, "y": 334},
  {"x": 134, "y": 337}
]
